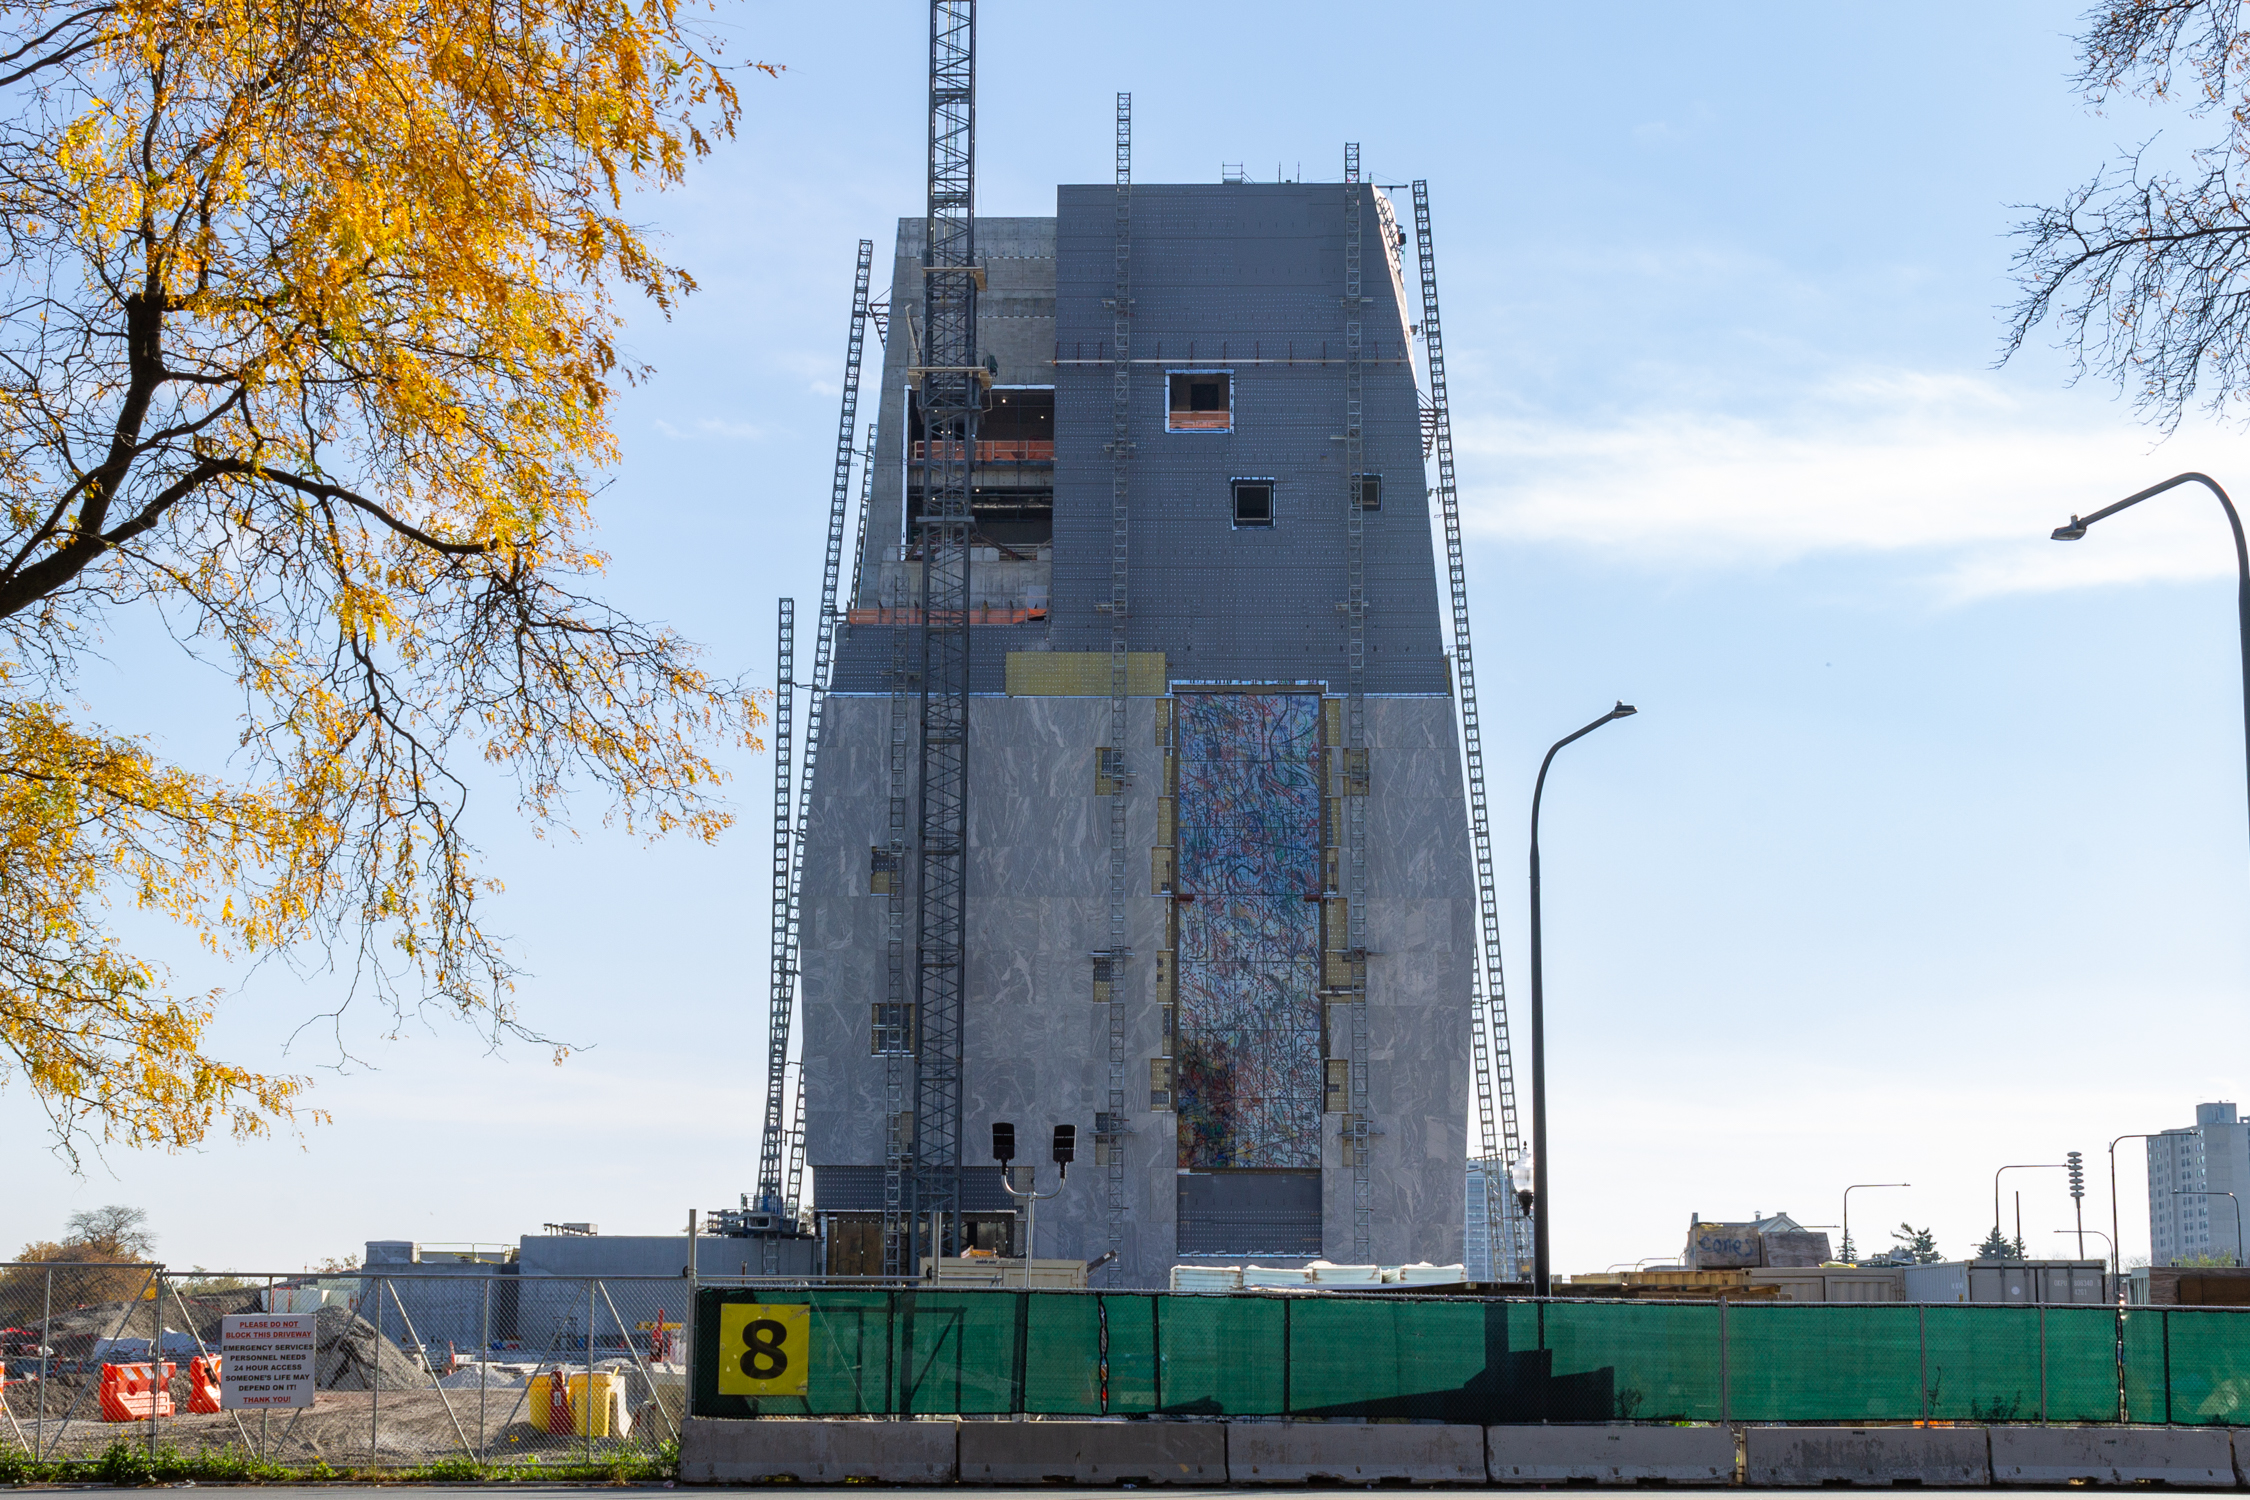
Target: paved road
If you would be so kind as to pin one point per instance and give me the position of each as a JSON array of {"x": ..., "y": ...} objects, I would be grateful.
[{"x": 519, "y": 1491}]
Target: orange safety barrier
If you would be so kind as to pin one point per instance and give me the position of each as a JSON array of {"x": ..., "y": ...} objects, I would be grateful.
[
  {"x": 130, "y": 1393},
  {"x": 203, "y": 1383}
]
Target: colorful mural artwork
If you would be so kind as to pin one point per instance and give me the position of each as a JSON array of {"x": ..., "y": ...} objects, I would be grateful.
[{"x": 1248, "y": 1054}]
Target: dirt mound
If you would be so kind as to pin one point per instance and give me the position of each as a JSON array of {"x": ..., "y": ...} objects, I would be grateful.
[{"x": 351, "y": 1356}]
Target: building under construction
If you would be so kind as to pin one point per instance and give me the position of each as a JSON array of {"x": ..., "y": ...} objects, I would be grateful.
[{"x": 1133, "y": 791}]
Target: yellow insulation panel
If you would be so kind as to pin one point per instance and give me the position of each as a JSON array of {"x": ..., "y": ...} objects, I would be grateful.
[{"x": 1083, "y": 674}]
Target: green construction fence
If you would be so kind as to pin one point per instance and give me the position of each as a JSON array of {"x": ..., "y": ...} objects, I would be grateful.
[{"x": 1458, "y": 1359}]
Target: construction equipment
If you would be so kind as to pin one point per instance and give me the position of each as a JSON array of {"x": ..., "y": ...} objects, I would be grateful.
[{"x": 950, "y": 382}]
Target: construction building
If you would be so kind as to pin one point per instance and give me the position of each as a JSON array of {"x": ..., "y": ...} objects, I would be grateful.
[{"x": 1135, "y": 802}]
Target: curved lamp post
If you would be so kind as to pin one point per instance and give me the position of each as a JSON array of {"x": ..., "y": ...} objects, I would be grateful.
[
  {"x": 2018, "y": 1166},
  {"x": 2116, "y": 1239},
  {"x": 2076, "y": 531},
  {"x": 1855, "y": 1187},
  {"x": 1540, "y": 1277}
]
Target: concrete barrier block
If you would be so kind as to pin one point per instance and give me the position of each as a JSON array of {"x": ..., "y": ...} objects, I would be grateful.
[
  {"x": 1951, "y": 1456},
  {"x": 1353, "y": 1453},
  {"x": 2200, "y": 1457},
  {"x": 1093, "y": 1453},
  {"x": 1609, "y": 1455},
  {"x": 724, "y": 1450}
]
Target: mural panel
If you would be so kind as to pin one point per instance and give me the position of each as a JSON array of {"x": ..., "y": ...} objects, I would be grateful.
[{"x": 1248, "y": 1056}]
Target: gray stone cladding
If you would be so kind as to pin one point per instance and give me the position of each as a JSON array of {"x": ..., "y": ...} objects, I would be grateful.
[{"x": 1037, "y": 1046}]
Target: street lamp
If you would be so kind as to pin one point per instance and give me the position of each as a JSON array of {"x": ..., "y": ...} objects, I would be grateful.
[
  {"x": 1855, "y": 1187},
  {"x": 2096, "y": 1233},
  {"x": 2076, "y": 530},
  {"x": 2196, "y": 1193},
  {"x": 2116, "y": 1241},
  {"x": 2018, "y": 1166},
  {"x": 1540, "y": 1266}
]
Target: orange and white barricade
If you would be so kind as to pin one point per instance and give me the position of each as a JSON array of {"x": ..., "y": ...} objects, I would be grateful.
[
  {"x": 134, "y": 1393},
  {"x": 203, "y": 1383}
]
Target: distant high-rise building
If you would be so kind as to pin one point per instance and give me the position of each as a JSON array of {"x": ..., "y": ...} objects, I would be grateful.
[
  {"x": 2188, "y": 1170},
  {"x": 1492, "y": 1252}
]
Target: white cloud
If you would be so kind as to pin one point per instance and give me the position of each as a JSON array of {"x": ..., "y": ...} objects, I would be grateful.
[
  {"x": 712, "y": 427},
  {"x": 1957, "y": 471}
]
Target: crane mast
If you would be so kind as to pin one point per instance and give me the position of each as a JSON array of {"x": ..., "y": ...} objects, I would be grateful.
[{"x": 951, "y": 384}]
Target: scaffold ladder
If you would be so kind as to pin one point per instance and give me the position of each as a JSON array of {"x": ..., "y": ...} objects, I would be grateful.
[
  {"x": 816, "y": 704},
  {"x": 1120, "y": 446},
  {"x": 770, "y": 1144},
  {"x": 1356, "y": 771},
  {"x": 1488, "y": 1029}
]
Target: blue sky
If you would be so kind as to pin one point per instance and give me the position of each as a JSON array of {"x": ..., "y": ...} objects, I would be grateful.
[{"x": 1928, "y": 850}]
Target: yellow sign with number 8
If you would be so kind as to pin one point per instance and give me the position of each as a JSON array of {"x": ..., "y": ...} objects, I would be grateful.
[{"x": 765, "y": 1348}]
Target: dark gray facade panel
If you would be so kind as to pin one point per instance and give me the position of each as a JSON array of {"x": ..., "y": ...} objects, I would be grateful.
[
  {"x": 1249, "y": 1213},
  {"x": 859, "y": 1190},
  {"x": 1223, "y": 275},
  {"x": 863, "y": 655}
]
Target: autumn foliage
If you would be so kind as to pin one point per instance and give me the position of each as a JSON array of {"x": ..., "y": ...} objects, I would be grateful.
[{"x": 308, "y": 339}]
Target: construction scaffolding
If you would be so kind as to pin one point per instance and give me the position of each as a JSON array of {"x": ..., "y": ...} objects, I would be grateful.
[{"x": 1498, "y": 1137}]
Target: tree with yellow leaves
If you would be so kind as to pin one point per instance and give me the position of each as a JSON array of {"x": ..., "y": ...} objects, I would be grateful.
[{"x": 308, "y": 320}]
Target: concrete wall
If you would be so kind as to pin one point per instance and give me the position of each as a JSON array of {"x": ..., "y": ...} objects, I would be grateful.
[{"x": 1367, "y": 1454}]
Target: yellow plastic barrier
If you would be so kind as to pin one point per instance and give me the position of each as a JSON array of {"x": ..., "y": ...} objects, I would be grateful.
[{"x": 564, "y": 1407}]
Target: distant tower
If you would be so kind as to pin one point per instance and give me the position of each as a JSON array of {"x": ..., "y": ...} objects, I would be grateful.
[
  {"x": 2212, "y": 1157},
  {"x": 1299, "y": 1063}
]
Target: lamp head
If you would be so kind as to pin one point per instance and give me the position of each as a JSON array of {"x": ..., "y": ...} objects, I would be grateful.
[
  {"x": 2074, "y": 532},
  {"x": 1623, "y": 710}
]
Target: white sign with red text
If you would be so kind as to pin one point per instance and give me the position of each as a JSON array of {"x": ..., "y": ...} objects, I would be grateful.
[{"x": 266, "y": 1360}]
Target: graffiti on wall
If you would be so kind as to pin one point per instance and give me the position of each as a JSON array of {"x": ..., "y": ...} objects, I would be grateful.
[{"x": 1248, "y": 1051}]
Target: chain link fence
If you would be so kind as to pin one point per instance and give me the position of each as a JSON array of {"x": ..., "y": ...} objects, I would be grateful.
[
  {"x": 1454, "y": 1359},
  {"x": 478, "y": 1366}
]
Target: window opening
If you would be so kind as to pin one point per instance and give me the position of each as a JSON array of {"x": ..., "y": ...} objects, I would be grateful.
[
  {"x": 1011, "y": 476},
  {"x": 890, "y": 1028},
  {"x": 1370, "y": 492},
  {"x": 1200, "y": 401},
  {"x": 1253, "y": 502}
]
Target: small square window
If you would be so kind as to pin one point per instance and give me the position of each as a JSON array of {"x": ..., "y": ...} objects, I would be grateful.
[
  {"x": 1199, "y": 401},
  {"x": 1370, "y": 492},
  {"x": 882, "y": 871},
  {"x": 1253, "y": 502}
]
